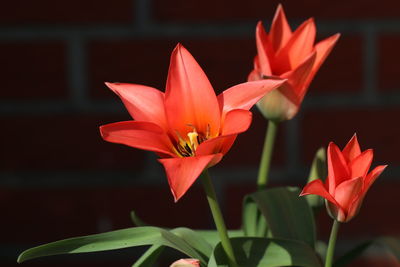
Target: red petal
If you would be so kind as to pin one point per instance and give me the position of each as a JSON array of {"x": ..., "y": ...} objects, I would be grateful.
[
  {"x": 368, "y": 181},
  {"x": 245, "y": 95},
  {"x": 142, "y": 102},
  {"x": 360, "y": 165},
  {"x": 236, "y": 121},
  {"x": 348, "y": 191},
  {"x": 189, "y": 97},
  {"x": 262, "y": 49},
  {"x": 316, "y": 187},
  {"x": 254, "y": 76},
  {"x": 322, "y": 49},
  {"x": 280, "y": 31},
  {"x": 297, "y": 80},
  {"x": 352, "y": 149},
  {"x": 183, "y": 172},
  {"x": 212, "y": 146},
  {"x": 138, "y": 134},
  {"x": 337, "y": 168},
  {"x": 371, "y": 177},
  {"x": 300, "y": 44}
]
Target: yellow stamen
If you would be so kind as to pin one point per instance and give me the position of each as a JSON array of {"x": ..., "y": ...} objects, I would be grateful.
[
  {"x": 186, "y": 147},
  {"x": 193, "y": 140}
]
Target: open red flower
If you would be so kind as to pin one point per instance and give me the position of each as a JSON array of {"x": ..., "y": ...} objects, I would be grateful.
[
  {"x": 348, "y": 180},
  {"x": 189, "y": 127},
  {"x": 288, "y": 55}
]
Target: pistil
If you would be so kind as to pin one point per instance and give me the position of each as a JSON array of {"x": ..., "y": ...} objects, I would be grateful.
[{"x": 186, "y": 147}]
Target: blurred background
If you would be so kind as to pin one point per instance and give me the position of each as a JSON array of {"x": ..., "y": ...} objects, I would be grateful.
[{"x": 60, "y": 179}]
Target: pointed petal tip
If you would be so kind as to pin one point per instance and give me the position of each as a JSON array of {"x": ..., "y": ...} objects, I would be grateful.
[
  {"x": 110, "y": 85},
  {"x": 383, "y": 167},
  {"x": 260, "y": 30},
  {"x": 303, "y": 193},
  {"x": 353, "y": 140},
  {"x": 331, "y": 144},
  {"x": 176, "y": 198},
  {"x": 177, "y": 49},
  {"x": 280, "y": 10},
  {"x": 337, "y": 35}
]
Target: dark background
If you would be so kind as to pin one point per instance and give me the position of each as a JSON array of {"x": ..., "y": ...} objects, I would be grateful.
[{"x": 59, "y": 179}]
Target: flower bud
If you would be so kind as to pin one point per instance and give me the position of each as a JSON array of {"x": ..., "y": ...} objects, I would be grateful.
[{"x": 186, "y": 263}]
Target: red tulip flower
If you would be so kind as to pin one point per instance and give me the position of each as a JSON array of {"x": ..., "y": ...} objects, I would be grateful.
[
  {"x": 188, "y": 126},
  {"x": 348, "y": 180},
  {"x": 289, "y": 55}
]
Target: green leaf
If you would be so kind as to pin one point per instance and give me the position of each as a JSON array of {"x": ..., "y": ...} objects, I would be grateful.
[
  {"x": 212, "y": 236},
  {"x": 264, "y": 252},
  {"x": 390, "y": 243},
  {"x": 136, "y": 220},
  {"x": 149, "y": 257},
  {"x": 250, "y": 217},
  {"x": 253, "y": 224},
  {"x": 131, "y": 237},
  {"x": 192, "y": 238},
  {"x": 318, "y": 171},
  {"x": 195, "y": 240},
  {"x": 202, "y": 240},
  {"x": 288, "y": 216}
]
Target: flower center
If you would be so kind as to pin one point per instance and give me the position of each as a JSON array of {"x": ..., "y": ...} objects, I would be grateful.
[{"x": 186, "y": 147}]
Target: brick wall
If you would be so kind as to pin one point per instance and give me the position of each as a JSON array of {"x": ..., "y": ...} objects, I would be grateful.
[{"x": 59, "y": 179}]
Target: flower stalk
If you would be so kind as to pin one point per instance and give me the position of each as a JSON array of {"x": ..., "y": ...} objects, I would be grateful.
[
  {"x": 265, "y": 162},
  {"x": 218, "y": 219},
  {"x": 332, "y": 242}
]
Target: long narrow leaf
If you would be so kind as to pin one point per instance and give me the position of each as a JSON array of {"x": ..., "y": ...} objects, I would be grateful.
[
  {"x": 212, "y": 236},
  {"x": 131, "y": 237},
  {"x": 263, "y": 252},
  {"x": 250, "y": 217},
  {"x": 136, "y": 220},
  {"x": 149, "y": 257},
  {"x": 195, "y": 240}
]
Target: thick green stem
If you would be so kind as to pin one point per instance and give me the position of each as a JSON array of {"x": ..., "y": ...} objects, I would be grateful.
[
  {"x": 265, "y": 161},
  {"x": 332, "y": 242},
  {"x": 218, "y": 219}
]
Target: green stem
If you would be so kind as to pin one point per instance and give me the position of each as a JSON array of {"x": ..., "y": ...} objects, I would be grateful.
[
  {"x": 331, "y": 245},
  {"x": 265, "y": 161},
  {"x": 218, "y": 219}
]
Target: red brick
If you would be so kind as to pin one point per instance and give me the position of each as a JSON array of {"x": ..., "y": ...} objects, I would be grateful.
[
  {"x": 336, "y": 75},
  {"x": 385, "y": 260},
  {"x": 43, "y": 215},
  {"x": 375, "y": 129},
  {"x": 63, "y": 142},
  {"x": 33, "y": 70},
  {"x": 388, "y": 62},
  {"x": 74, "y": 11},
  {"x": 196, "y": 10},
  {"x": 247, "y": 149},
  {"x": 234, "y": 202},
  {"x": 226, "y": 62}
]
